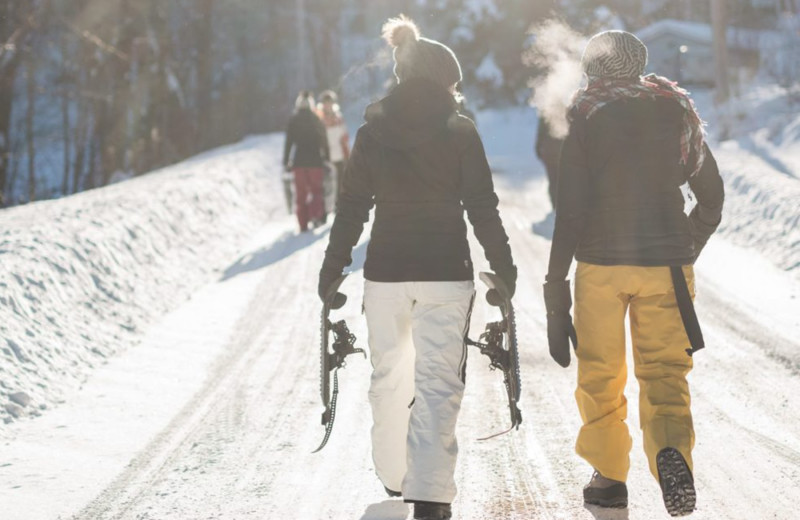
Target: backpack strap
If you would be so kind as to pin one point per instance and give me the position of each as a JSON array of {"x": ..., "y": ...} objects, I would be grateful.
[{"x": 686, "y": 308}]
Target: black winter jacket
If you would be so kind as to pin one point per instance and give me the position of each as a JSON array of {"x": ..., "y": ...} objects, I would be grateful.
[
  {"x": 306, "y": 134},
  {"x": 619, "y": 197},
  {"x": 421, "y": 165}
]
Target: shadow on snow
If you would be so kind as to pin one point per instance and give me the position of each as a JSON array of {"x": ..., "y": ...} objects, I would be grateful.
[
  {"x": 288, "y": 244},
  {"x": 605, "y": 513},
  {"x": 386, "y": 510}
]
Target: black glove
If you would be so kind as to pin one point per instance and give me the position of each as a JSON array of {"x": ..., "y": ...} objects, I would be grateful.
[
  {"x": 509, "y": 277},
  {"x": 326, "y": 278},
  {"x": 560, "y": 331},
  {"x": 701, "y": 229}
]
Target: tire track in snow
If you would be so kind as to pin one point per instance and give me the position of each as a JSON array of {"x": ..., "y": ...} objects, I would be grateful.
[
  {"x": 262, "y": 420},
  {"x": 248, "y": 344}
]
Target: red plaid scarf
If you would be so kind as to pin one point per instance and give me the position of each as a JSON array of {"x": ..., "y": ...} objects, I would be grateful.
[{"x": 602, "y": 91}]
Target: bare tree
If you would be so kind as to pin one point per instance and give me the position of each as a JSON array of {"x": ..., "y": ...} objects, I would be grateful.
[
  {"x": 205, "y": 76},
  {"x": 17, "y": 22},
  {"x": 65, "y": 82},
  {"x": 719, "y": 20},
  {"x": 30, "y": 121}
]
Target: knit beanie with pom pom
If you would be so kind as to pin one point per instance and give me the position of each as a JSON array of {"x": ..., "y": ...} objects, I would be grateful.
[
  {"x": 614, "y": 54},
  {"x": 417, "y": 57}
]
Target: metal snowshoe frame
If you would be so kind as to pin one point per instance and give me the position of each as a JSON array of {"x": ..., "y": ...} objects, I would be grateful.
[
  {"x": 331, "y": 360},
  {"x": 499, "y": 343}
]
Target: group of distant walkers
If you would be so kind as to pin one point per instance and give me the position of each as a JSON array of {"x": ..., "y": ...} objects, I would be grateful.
[
  {"x": 315, "y": 153},
  {"x": 633, "y": 141}
]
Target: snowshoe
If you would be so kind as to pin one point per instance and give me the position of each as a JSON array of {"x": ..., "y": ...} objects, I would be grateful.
[
  {"x": 499, "y": 343},
  {"x": 333, "y": 358}
]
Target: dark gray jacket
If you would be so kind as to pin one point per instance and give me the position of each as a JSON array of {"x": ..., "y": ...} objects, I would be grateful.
[
  {"x": 619, "y": 198},
  {"x": 306, "y": 136},
  {"x": 421, "y": 166}
]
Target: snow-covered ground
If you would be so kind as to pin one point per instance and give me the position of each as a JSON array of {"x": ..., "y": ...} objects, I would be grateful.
[
  {"x": 759, "y": 158},
  {"x": 215, "y": 410},
  {"x": 83, "y": 277}
]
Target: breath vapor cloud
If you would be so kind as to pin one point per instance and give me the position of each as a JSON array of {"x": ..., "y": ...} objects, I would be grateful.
[{"x": 556, "y": 53}]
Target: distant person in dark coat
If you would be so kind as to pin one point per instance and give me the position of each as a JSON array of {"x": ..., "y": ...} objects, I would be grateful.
[
  {"x": 548, "y": 149},
  {"x": 306, "y": 136}
]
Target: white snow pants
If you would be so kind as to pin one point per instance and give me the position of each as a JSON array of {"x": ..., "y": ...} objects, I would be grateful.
[{"x": 416, "y": 342}]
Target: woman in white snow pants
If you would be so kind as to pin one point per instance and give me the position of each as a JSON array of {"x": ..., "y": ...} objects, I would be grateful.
[
  {"x": 422, "y": 167},
  {"x": 416, "y": 340}
]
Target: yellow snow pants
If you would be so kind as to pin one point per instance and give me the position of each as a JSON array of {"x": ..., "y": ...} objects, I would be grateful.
[{"x": 603, "y": 294}]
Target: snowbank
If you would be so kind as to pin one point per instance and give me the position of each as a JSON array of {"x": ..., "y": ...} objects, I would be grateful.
[
  {"x": 759, "y": 160},
  {"x": 82, "y": 277},
  {"x": 761, "y": 207}
]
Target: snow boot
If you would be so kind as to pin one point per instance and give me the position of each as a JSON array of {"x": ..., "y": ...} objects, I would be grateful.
[
  {"x": 605, "y": 492},
  {"x": 432, "y": 511},
  {"x": 677, "y": 482},
  {"x": 392, "y": 493}
]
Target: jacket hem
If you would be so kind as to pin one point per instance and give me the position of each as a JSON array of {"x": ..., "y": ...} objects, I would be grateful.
[{"x": 638, "y": 262}]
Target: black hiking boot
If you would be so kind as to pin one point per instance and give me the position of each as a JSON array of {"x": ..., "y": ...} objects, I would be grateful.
[
  {"x": 392, "y": 493},
  {"x": 432, "y": 511},
  {"x": 677, "y": 483},
  {"x": 605, "y": 492}
]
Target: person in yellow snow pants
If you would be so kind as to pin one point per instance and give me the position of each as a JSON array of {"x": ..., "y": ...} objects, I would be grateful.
[
  {"x": 603, "y": 295},
  {"x": 633, "y": 142}
]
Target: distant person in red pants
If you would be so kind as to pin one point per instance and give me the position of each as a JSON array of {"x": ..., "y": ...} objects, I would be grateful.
[{"x": 306, "y": 136}]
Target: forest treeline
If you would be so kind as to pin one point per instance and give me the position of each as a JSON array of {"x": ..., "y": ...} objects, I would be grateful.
[
  {"x": 96, "y": 90},
  {"x": 93, "y": 89}
]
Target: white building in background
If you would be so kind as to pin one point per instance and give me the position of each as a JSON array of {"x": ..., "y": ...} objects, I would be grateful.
[{"x": 683, "y": 50}]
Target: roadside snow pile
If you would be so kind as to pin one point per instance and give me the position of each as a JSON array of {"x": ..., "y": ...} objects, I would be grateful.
[
  {"x": 760, "y": 164},
  {"x": 765, "y": 119},
  {"x": 82, "y": 277},
  {"x": 762, "y": 209}
]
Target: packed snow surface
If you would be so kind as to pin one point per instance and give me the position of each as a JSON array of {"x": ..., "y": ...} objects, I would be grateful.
[{"x": 209, "y": 406}]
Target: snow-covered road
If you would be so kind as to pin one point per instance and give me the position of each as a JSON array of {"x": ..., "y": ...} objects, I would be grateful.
[{"x": 216, "y": 413}]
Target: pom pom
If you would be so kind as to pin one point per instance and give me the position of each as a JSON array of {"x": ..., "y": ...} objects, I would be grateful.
[{"x": 400, "y": 31}]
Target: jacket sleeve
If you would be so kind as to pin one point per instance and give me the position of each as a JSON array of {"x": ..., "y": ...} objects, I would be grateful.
[
  {"x": 288, "y": 142},
  {"x": 571, "y": 202},
  {"x": 353, "y": 207},
  {"x": 480, "y": 201},
  {"x": 325, "y": 150},
  {"x": 709, "y": 191},
  {"x": 541, "y": 130},
  {"x": 344, "y": 142}
]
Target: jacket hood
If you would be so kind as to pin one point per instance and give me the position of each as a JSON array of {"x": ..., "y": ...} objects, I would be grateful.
[{"x": 414, "y": 112}]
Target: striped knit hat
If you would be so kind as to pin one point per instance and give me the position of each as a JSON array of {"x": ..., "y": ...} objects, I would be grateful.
[{"x": 614, "y": 54}]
